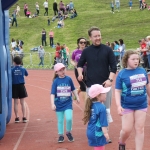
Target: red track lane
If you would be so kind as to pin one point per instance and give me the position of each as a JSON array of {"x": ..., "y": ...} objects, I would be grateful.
[{"x": 40, "y": 133}]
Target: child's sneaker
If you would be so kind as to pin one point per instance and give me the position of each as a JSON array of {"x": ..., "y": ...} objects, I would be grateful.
[
  {"x": 61, "y": 139},
  {"x": 24, "y": 120},
  {"x": 122, "y": 147},
  {"x": 70, "y": 138},
  {"x": 17, "y": 120}
]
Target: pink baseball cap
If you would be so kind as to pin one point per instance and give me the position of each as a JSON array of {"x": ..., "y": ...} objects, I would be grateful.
[
  {"x": 97, "y": 89},
  {"x": 59, "y": 66}
]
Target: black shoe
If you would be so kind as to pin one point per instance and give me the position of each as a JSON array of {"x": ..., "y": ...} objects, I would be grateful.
[
  {"x": 17, "y": 120},
  {"x": 70, "y": 138},
  {"x": 61, "y": 139},
  {"x": 109, "y": 141},
  {"x": 24, "y": 120},
  {"x": 121, "y": 147}
]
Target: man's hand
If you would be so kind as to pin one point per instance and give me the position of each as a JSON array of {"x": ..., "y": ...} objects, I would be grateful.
[{"x": 107, "y": 83}]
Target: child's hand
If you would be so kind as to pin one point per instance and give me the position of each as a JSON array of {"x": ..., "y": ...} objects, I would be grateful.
[
  {"x": 53, "y": 107},
  {"x": 106, "y": 136},
  {"x": 78, "y": 100},
  {"x": 120, "y": 110}
]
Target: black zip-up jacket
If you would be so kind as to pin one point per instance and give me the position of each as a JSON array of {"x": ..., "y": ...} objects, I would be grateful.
[{"x": 100, "y": 62}]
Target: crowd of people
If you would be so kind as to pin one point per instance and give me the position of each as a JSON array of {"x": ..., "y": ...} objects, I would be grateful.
[
  {"x": 115, "y": 5},
  {"x": 17, "y": 48}
]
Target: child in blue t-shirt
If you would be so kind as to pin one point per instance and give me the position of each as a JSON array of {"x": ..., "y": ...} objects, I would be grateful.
[
  {"x": 61, "y": 101},
  {"x": 132, "y": 88},
  {"x": 95, "y": 115},
  {"x": 18, "y": 87},
  {"x": 112, "y": 6}
]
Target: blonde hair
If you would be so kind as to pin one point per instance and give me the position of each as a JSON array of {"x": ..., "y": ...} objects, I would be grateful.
[
  {"x": 87, "y": 110},
  {"x": 126, "y": 57}
]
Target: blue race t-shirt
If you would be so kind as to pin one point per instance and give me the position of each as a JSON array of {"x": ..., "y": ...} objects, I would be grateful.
[
  {"x": 133, "y": 85},
  {"x": 97, "y": 120},
  {"x": 18, "y": 74},
  {"x": 62, "y": 89}
]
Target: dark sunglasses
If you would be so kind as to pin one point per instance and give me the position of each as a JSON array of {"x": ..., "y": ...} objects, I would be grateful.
[{"x": 82, "y": 42}]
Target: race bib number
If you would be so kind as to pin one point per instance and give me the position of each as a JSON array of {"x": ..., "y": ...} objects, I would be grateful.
[
  {"x": 63, "y": 91},
  {"x": 138, "y": 83}
]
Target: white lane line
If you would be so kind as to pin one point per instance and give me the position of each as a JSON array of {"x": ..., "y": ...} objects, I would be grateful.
[
  {"x": 24, "y": 129},
  {"x": 38, "y": 87}
]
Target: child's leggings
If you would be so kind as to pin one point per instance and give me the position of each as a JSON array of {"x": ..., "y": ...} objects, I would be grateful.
[
  {"x": 60, "y": 121},
  {"x": 99, "y": 148}
]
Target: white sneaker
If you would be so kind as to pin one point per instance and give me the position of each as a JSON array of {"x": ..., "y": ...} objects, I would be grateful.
[{"x": 109, "y": 117}]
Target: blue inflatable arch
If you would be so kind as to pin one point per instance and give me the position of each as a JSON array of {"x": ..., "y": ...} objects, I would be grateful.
[{"x": 5, "y": 67}]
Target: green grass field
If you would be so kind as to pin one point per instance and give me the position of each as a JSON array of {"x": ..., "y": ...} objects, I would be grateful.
[{"x": 130, "y": 25}]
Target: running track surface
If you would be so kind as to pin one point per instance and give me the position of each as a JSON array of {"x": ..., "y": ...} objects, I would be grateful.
[{"x": 40, "y": 133}]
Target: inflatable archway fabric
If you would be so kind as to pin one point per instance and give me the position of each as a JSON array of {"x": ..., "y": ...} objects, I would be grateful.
[{"x": 5, "y": 67}]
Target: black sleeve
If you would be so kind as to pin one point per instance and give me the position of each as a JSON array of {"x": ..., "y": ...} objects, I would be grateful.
[
  {"x": 82, "y": 60},
  {"x": 112, "y": 62}
]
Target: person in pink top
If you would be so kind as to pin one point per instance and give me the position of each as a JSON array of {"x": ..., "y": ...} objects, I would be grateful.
[
  {"x": 51, "y": 38},
  {"x": 25, "y": 9}
]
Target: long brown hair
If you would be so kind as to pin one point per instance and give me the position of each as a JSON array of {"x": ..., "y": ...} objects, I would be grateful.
[
  {"x": 87, "y": 110},
  {"x": 55, "y": 76}
]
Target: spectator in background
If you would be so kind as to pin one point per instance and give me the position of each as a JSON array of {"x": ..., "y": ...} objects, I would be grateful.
[
  {"x": 13, "y": 43},
  {"x": 121, "y": 47},
  {"x": 18, "y": 10},
  {"x": 71, "y": 6},
  {"x": 45, "y": 4},
  {"x": 48, "y": 21},
  {"x": 63, "y": 55},
  {"x": 57, "y": 53},
  {"x": 44, "y": 37},
  {"x": 118, "y": 5},
  {"x": 28, "y": 13},
  {"x": 55, "y": 9},
  {"x": 112, "y": 6},
  {"x": 14, "y": 19},
  {"x": 148, "y": 49},
  {"x": 37, "y": 7},
  {"x": 21, "y": 54},
  {"x": 130, "y": 4},
  {"x": 62, "y": 6},
  {"x": 74, "y": 14},
  {"x": 25, "y": 9},
  {"x": 51, "y": 38},
  {"x": 41, "y": 53},
  {"x": 108, "y": 44},
  {"x": 140, "y": 4},
  {"x": 19, "y": 42},
  {"x": 67, "y": 52}
]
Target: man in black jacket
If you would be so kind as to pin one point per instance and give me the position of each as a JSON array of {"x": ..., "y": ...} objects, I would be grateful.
[
  {"x": 55, "y": 9},
  {"x": 101, "y": 64}
]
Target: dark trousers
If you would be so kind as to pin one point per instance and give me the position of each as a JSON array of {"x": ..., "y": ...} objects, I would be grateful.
[
  {"x": 46, "y": 11},
  {"x": 145, "y": 65},
  {"x": 55, "y": 12},
  {"x": 25, "y": 11},
  {"x": 44, "y": 41},
  {"x": 14, "y": 20},
  {"x": 51, "y": 41},
  {"x": 82, "y": 85},
  {"x": 37, "y": 12}
]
